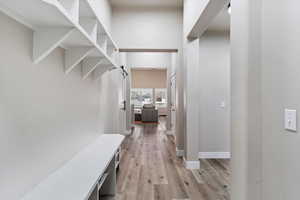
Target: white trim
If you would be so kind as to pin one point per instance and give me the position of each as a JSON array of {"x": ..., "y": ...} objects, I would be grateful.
[
  {"x": 179, "y": 153},
  {"x": 214, "y": 155},
  {"x": 192, "y": 164}
]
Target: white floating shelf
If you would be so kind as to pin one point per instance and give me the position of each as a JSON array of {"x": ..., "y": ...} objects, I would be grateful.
[{"x": 71, "y": 24}]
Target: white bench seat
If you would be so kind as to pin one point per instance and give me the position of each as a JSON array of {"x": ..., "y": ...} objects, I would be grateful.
[{"x": 76, "y": 179}]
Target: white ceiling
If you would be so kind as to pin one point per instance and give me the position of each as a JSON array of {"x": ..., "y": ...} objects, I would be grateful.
[{"x": 147, "y": 3}]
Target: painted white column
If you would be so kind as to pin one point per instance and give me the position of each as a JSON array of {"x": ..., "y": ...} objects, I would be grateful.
[{"x": 192, "y": 104}]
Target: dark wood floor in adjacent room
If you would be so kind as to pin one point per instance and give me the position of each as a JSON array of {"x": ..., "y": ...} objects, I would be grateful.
[{"x": 150, "y": 170}]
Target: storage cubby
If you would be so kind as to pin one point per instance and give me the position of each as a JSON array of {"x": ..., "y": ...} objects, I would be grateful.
[
  {"x": 105, "y": 188},
  {"x": 108, "y": 187}
]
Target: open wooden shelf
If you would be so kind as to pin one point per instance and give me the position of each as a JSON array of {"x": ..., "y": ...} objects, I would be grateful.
[{"x": 71, "y": 24}]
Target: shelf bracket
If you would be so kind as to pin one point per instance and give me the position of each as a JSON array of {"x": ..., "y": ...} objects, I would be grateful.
[
  {"x": 74, "y": 56},
  {"x": 72, "y": 7},
  {"x": 99, "y": 71},
  {"x": 90, "y": 26},
  {"x": 89, "y": 65},
  {"x": 45, "y": 40},
  {"x": 102, "y": 41}
]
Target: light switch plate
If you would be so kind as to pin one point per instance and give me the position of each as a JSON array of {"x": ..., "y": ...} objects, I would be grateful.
[
  {"x": 223, "y": 104},
  {"x": 290, "y": 120}
]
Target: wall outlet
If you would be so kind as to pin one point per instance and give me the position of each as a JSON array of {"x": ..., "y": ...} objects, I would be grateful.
[{"x": 290, "y": 120}]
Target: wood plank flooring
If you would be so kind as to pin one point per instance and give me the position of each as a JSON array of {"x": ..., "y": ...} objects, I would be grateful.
[{"x": 150, "y": 170}]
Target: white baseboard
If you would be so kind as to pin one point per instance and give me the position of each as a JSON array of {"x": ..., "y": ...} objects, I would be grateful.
[
  {"x": 195, "y": 164},
  {"x": 179, "y": 153},
  {"x": 214, "y": 155}
]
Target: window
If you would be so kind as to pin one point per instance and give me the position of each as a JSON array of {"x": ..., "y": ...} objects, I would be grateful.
[
  {"x": 141, "y": 96},
  {"x": 161, "y": 97}
]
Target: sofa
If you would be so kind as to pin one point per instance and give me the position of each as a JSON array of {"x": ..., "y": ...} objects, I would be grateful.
[{"x": 149, "y": 113}]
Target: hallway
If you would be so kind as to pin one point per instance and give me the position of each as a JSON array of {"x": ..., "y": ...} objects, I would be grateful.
[{"x": 150, "y": 170}]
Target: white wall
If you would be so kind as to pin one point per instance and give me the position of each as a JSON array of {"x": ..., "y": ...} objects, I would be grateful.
[
  {"x": 265, "y": 72},
  {"x": 112, "y": 93},
  {"x": 45, "y": 116},
  {"x": 151, "y": 27},
  {"x": 246, "y": 96},
  {"x": 149, "y": 60},
  {"x": 214, "y": 89},
  {"x": 280, "y": 90}
]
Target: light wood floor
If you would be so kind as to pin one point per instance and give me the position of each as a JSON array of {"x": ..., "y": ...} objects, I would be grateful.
[{"x": 150, "y": 170}]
